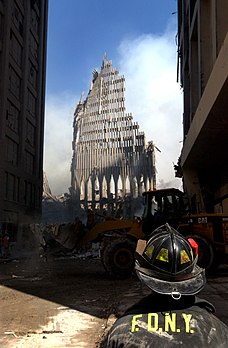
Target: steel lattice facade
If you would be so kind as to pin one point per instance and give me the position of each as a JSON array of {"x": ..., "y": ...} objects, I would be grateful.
[{"x": 111, "y": 160}]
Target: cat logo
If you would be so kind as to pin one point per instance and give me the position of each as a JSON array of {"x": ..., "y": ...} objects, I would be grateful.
[{"x": 202, "y": 220}]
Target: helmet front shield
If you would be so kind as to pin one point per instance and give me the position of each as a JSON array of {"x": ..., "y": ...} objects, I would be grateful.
[{"x": 190, "y": 286}]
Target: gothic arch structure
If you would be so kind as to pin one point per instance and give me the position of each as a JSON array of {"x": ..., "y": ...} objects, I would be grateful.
[{"x": 109, "y": 151}]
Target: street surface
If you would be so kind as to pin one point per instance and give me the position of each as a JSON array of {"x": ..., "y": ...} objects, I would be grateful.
[{"x": 72, "y": 302}]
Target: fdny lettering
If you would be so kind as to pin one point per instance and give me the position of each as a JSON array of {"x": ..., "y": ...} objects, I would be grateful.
[{"x": 170, "y": 323}]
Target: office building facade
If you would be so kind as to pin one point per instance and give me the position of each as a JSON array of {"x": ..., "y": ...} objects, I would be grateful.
[
  {"x": 23, "y": 37},
  {"x": 203, "y": 57}
]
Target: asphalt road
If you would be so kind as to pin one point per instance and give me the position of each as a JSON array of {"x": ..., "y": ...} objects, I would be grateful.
[{"x": 72, "y": 303}]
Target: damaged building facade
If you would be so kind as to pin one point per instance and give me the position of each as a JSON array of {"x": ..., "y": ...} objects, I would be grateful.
[
  {"x": 203, "y": 47},
  {"x": 111, "y": 161},
  {"x": 55, "y": 209}
]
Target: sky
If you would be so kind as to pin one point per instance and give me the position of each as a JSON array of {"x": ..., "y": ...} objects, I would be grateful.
[{"x": 139, "y": 36}]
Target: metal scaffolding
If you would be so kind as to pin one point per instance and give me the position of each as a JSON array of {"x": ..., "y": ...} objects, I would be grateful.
[{"x": 111, "y": 161}]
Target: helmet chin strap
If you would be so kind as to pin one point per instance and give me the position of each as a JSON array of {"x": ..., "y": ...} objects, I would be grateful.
[{"x": 176, "y": 295}]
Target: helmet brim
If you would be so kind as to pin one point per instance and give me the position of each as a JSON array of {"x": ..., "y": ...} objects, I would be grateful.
[{"x": 191, "y": 286}]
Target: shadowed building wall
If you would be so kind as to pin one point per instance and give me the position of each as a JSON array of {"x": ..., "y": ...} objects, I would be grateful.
[{"x": 23, "y": 32}]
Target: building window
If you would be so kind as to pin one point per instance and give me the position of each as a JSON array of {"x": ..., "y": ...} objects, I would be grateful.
[
  {"x": 18, "y": 19},
  {"x": 11, "y": 187},
  {"x": 29, "y": 195},
  {"x": 12, "y": 117},
  {"x": 11, "y": 151},
  {"x": 33, "y": 47},
  {"x": 32, "y": 74},
  {"x": 34, "y": 21},
  {"x": 29, "y": 163},
  {"x": 15, "y": 49},
  {"x": 30, "y": 133},
  {"x": 38, "y": 197},
  {"x": 31, "y": 103},
  {"x": 14, "y": 82}
]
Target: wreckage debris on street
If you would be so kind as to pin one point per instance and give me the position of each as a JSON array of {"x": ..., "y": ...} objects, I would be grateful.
[{"x": 69, "y": 302}]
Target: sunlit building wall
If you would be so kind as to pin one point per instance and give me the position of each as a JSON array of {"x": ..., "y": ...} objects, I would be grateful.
[{"x": 203, "y": 57}]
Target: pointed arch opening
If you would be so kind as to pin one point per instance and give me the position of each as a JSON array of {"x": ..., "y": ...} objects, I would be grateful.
[
  {"x": 147, "y": 184},
  {"x": 135, "y": 187},
  {"x": 127, "y": 185},
  {"x": 112, "y": 185},
  {"x": 104, "y": 188},
  {"x": 120, "y": 186},
  {"x": 82, "y": 190},
  {"x": 97, "y": 188},
  {"x": 141, "y": 187},
  {"x": 89, "y": 189}
]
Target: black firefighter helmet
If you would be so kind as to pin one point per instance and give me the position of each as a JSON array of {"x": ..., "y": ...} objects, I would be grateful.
[{"x": 167, "y": 263}]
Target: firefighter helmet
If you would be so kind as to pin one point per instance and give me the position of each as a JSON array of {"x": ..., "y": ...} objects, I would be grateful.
[{"x": 167, "y": 264}]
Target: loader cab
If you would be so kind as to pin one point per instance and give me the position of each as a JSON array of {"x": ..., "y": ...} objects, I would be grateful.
[{"x": 161, "y": 206}]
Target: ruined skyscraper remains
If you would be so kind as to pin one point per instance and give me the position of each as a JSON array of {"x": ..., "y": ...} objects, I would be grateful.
[{"x": 111, "y": 161}]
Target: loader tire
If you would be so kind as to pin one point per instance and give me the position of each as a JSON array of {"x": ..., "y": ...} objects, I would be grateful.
[
  {"x": 118, "y": 258},
  {"x": 206, "y": 257}
]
